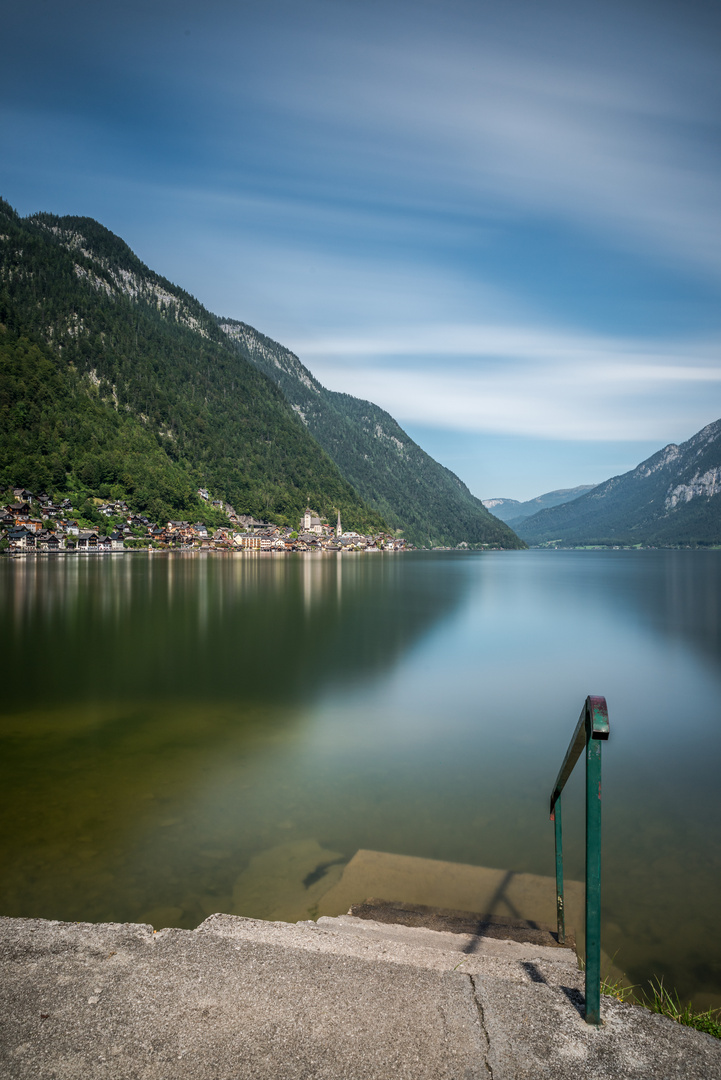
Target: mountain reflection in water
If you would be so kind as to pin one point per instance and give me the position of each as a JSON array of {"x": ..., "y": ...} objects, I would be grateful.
[
  {"x": 140, "y": 683},
  {"x": 237, "y": 628}
]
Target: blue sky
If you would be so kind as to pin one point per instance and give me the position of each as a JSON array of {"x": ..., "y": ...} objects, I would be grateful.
[{"x": 500, "y": 221}]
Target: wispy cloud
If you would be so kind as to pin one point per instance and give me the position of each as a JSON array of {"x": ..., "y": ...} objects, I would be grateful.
[
  {"x": 619, "y": 143},
  {"x": 521, "y": 343},
  {"x": 530, "y": 382}
]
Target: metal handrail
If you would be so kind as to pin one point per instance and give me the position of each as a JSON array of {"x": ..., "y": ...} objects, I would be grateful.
[{"x": 591, "y": 730}]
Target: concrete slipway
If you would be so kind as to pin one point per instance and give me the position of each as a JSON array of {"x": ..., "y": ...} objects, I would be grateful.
[{"x": 342, "y": 997}]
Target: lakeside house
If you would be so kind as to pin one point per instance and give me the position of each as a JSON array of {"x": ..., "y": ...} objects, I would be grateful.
[
  {"x": 21, "y": 539},
  {"x": 56, "y": 532}
]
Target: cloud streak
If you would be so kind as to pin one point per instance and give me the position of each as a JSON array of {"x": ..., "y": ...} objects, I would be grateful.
[
  {"x": 529, "y": 343},
  {"x": 634, "y": 150},
  {"x": 530, "y": 382}
]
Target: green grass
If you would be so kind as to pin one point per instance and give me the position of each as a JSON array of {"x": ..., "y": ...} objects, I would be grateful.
[
  {"x": 667, "y": 1003},
  {"x": 617, "y": 988},
  {"x": 659, "y": 999}
]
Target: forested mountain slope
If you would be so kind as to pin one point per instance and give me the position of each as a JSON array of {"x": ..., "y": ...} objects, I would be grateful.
[
  {"x": 512, "y": 511},
  {"x": 674, "y": 497},
  {"x": 388, "y": 469},
  {"x": 114, "y": 381}
]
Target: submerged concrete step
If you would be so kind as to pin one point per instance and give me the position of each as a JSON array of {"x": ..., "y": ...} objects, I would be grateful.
[
  {"x": 503, "y": 895},
  {"x": 302, "y": 879},
  {"x": 461, "y": 922},
  {"x": 434, "y": 883}
]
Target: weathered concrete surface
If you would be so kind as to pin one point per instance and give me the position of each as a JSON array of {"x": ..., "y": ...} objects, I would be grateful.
[
  {"x": 415, "y": 947},
  {"x": 344, "y": 998},
  {"x": 82, "y": 1001},
  {"x": 541, "y": 1034}
]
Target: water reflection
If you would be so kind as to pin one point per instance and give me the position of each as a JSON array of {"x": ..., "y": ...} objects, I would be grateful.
[
  {"x": 235, "y": 627},
  {"x": 144, "y": 687},
  {"x": 174, "y": 728},
  {"x": 679, "y": 593},
  {"x": 675, "y": 593}
]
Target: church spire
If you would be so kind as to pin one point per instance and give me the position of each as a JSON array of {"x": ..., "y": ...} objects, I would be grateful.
[{"x": 339, "y": 527}]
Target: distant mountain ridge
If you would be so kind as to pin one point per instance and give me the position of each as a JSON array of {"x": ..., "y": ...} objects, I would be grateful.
[
  {"x": 674, "y": 497},
  {"x": 385, "y": 466},
  {"x": 512, "y": 510}
]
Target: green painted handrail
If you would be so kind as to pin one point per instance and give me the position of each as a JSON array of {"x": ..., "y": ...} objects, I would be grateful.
[{"x": 591, "y": 730}]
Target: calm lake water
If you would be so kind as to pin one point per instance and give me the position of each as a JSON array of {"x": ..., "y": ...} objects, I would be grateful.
[{"x": 168, "y": 719}]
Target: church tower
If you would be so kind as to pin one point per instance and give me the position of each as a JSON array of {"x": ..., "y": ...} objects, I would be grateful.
[{"x": 339, "y": 527}]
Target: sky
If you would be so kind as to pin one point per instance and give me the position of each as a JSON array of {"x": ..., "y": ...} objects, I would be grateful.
[{"x": 499, "y": 221}]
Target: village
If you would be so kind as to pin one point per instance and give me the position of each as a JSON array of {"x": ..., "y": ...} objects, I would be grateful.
[{"x": 33, "y": 524}]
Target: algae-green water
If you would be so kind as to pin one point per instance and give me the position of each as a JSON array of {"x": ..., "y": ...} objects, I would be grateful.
[{"x": 169, "y": 722}]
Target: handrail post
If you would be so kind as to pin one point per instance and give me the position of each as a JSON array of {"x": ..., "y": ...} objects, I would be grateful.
[
  {"x": 558, "y": 836},
  {"x": 593, "y": 872},
  {"x": 591, "y": 730}
]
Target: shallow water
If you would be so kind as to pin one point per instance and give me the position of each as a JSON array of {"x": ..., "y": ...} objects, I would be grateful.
[{"x": 171, "y": 721}]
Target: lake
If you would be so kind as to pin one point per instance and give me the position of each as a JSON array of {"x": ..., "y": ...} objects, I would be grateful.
[{"x": 169, "y": 720}]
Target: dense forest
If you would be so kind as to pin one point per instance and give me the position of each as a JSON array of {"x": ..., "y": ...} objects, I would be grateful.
[{"x": 113, "y": 382}]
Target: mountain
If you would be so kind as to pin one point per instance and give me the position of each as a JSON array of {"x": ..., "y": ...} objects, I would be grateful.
[
  {"x": 503, "y": 509},
  {"x": 512, "y": 511},
  {"x": 114, "y": 382},
  {"x": 385, "y": 466},
  {"x": 674, "y": 497}
]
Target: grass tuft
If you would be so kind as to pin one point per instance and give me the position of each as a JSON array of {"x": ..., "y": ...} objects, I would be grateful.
[
  {"x": 617, "y": 989},
  {"x": 667, "y": 1003},
  {"x": 660, "y": 1000}
]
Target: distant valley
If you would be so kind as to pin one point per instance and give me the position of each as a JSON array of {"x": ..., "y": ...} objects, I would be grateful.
[{"x": 512, "y": 511}]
